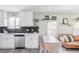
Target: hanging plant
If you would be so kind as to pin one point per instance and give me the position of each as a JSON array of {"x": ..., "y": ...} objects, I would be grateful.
[{"x": 36, "y": 21}]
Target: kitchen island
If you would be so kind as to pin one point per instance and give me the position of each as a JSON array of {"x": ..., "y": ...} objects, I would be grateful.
[{"x": 51, "y": 44}]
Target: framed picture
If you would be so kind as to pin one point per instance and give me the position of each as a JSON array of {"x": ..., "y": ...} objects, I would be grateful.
[
  {"x": 77, "y": 19},
  {"x": 65, "y": 20},
  {"x": 47, "y": 17},
  {"x": 54, "y": 17}
]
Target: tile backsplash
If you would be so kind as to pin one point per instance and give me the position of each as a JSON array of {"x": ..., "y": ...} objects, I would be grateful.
[{"x": 24, "y": 29}]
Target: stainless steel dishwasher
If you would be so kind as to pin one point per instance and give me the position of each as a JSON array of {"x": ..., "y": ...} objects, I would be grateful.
[{"x": 19, "y": 41}]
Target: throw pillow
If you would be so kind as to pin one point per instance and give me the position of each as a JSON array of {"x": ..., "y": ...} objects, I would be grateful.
[
  {"x": 66, "y": 38},
  {"x": 71, "y": 38}
]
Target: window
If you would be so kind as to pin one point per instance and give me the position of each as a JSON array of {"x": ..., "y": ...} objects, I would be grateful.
[
  {"x": 12, "y": 20},
  {"x": 5, "y": 22},
  {"x": 52, "y": 28}
]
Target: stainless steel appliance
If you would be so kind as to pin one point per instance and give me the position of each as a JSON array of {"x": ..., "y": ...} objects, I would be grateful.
[{"x": 19, "y": 41}]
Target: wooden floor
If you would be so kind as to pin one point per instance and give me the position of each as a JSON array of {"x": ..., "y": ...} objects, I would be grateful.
[
  {"x": 62, "y": 50},
  {"x": 19, "y": 50}
]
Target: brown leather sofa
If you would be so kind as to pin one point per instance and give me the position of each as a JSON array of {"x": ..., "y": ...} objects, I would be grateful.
[{"x": 70, "y": 44}]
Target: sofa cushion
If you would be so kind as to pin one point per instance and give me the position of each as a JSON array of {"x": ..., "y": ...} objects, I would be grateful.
[
  {"x": 66, "y": 39},
  {"x": 70, "y": 37},
  {"x": 61, "y": 38},
  {"x": 71, "y": 45}
]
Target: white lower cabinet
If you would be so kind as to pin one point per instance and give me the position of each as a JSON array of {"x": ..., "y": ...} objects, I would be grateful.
[
  {"x": 7, "y": 42},
  {"x": 31, "y": 40},
  {"x": 10, "y": 42},
  {"x": 3, "y": 42}
]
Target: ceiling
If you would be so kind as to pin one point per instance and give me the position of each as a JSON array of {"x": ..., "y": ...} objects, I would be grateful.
[{"x": 42, "y": 8}]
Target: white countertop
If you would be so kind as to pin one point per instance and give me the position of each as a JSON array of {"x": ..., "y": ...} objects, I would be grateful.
[
  {"x": 50, "y": 39},
  {"x": 18, "y": 33}
]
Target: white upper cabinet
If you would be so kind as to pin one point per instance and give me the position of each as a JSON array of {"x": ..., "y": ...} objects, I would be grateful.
[
  {"x": 1, "y": 18},
  {"x": 26, "y": 18}
]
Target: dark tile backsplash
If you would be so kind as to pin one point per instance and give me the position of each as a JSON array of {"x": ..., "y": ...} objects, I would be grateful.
[{"x": 30, "y": 29}]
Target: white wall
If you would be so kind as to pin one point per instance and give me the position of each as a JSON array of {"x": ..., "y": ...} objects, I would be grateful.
[
  {"x": 1, "y": 18},
  {"x": 60, "y": 16}
]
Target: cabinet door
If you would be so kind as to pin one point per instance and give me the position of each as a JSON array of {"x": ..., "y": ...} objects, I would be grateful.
[
  {"x": 3, "y": 42},
  {"x": 6, "y": 42},
  {"x": 34, "y": 41},
  {"x": 31, "y": 41},
  {"x": 26, "y": 18},
  {"x": 10, "y": 42},
  {"x": 28, "y": 41}
]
